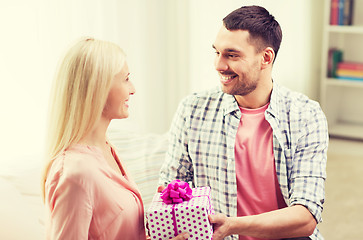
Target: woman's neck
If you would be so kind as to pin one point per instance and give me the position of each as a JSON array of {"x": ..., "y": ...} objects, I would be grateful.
[{"x": 97, "y": 136}]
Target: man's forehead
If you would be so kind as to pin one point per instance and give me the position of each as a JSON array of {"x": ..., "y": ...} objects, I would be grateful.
[
  {"x": 231, "y": 40},
  {"x": 223, "y": 31}
]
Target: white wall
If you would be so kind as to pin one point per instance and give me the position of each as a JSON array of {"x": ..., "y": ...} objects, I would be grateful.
[
  {"x": 34, "y": 35},
  {"x": 168, "y": 43}
]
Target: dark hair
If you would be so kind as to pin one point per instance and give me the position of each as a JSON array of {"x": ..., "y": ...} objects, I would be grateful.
[{"x": 264, "y": 30}]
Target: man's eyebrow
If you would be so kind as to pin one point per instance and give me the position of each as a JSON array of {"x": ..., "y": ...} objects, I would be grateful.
[
  {"x": 232, "y": 50},
  {"x": 229, "y": 50}
]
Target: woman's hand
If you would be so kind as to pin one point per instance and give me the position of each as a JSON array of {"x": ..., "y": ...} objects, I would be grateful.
[{"x": 161, "y": 188}]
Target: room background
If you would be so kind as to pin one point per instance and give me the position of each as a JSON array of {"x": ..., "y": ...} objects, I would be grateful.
[
  {"x": 169, "y": 52},
  {"x": 168, "y": 45}
]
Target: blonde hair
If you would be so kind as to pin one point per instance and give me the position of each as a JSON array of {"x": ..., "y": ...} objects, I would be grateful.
[{"x": 79, "y": 94}]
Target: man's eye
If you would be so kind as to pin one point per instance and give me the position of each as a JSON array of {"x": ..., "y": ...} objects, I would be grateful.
[{"x": 232, "y": 56}]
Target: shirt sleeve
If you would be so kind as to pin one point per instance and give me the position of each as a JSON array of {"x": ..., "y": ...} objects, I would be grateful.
[
  {"x": 70, "y": 210},
  {"x": 178, "y": 164},
  {"x": 308, "y": 171}
]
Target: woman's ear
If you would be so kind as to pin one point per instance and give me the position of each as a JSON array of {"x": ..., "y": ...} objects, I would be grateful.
[{"x": 268, "y": 57}]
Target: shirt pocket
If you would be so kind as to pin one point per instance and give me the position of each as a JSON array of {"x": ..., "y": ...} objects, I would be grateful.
[
  {"x": 120, "y": 217},
  {"x": 109, "y": 205}
]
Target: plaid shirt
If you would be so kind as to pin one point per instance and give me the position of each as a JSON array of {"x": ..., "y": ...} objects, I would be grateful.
[{"x": 202, "y": 141}]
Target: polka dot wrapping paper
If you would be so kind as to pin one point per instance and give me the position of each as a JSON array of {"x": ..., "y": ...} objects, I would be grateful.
[{"x": 165, "y": 220}]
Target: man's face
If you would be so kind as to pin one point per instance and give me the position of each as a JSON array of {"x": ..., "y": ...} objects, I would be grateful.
[{"x": 238, "y": 64}]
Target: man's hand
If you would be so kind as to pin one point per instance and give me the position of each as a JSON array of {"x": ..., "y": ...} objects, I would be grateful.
[
  {"x": 161, "y": 188},
  {"x": 220, "y": 226}
]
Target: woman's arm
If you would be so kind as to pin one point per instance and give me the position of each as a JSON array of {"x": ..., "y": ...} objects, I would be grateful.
[{"x": 70, "y": 211}]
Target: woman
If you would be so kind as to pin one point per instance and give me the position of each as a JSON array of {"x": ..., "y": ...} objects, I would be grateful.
[{"x": 88, "y": 192}]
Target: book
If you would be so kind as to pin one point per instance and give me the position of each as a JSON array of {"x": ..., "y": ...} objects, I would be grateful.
[
  {"x": 349, "y": 73},
  {"x": 334, "y": 12},
  {"x": 348, "y": 12},
  {"x": 341, "y": 12},
  {"x": 334, "y": 57},
  {"x": 350, "y": 65},
  {"x": 350, "y": 78}
]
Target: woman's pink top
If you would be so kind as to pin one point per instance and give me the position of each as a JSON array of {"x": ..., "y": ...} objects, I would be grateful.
[{"x": 87, "y": 199}]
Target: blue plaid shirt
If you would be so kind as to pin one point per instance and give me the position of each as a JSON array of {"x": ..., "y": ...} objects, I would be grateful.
[{"x": 202, "y": 141}]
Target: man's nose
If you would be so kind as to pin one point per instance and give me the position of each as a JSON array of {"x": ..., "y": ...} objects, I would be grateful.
[{"x": 220, "y": 64}]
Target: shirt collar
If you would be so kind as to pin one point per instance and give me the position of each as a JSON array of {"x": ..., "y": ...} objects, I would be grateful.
[
  {"x": 229, "y": 104},
  {"x": 273, "y": 108}
]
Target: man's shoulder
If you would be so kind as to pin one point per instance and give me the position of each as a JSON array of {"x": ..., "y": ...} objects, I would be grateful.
[
  {"x": 296, "y": 101},
  {"x": 207, "y": 97},
  {"x": 212, "y": 93},
  {"x": 296, "y": 105}
]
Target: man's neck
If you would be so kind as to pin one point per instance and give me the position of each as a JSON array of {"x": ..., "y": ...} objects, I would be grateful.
[{"x": 258, "y": 98}]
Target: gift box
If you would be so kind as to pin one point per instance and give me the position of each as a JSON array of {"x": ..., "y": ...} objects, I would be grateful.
[{"x": 168, "y": 218}]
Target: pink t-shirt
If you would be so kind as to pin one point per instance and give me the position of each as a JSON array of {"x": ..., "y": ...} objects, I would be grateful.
[
  {"x": 87, "y": 199},
  {"x": 258, "y": 189}
]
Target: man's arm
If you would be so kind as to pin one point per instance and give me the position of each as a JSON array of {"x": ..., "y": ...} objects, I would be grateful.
[
  {"x": 308, "y": 163},
  {"x": 177, "y": 164},
  {"x": 295, "y": 221},
  {"x": 306, "y": 192}
]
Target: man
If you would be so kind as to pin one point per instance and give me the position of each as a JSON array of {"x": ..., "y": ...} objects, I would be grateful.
[{"x": 259, "y": 146}]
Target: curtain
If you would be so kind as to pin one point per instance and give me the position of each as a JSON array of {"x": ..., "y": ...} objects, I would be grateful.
[{"x": 35, "y": 34}]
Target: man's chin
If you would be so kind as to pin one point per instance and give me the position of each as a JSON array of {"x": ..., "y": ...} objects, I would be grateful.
[{"x": 226, "y": 90}]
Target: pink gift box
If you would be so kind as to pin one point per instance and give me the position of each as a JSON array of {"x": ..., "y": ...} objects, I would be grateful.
[{"x": 165, "y": 220}]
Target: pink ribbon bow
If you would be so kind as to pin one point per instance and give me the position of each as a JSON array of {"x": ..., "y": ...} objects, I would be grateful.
[{"x": 176, "y": 192}]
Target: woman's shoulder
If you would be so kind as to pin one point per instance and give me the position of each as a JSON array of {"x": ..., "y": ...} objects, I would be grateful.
[{"x": 77, "y": 164}]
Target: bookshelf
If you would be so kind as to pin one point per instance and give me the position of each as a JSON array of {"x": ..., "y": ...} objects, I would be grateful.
[{"x": 341, "y": 99}]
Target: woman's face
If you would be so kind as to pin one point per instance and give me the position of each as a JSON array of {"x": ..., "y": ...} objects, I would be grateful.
[{"x": 117, "y": 101}]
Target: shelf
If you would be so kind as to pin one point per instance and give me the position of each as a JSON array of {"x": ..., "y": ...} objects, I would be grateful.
[
  {"x": 341, "y": 98},
  {"x": 345, "y": 29},
  {"x": 348, "y": 130},
  {"x": 344, "y": 83}
]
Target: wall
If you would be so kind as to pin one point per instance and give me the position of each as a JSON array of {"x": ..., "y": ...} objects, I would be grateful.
[
  {"x": 35, "y": 34},
  {"x": 168, "y": 44}
]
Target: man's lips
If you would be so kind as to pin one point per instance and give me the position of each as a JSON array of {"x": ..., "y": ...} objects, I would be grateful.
[{"x": 225, "y": 79}]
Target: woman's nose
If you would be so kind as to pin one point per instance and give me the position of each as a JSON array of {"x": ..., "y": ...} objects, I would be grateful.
[{"x": 132, "y": 89}]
